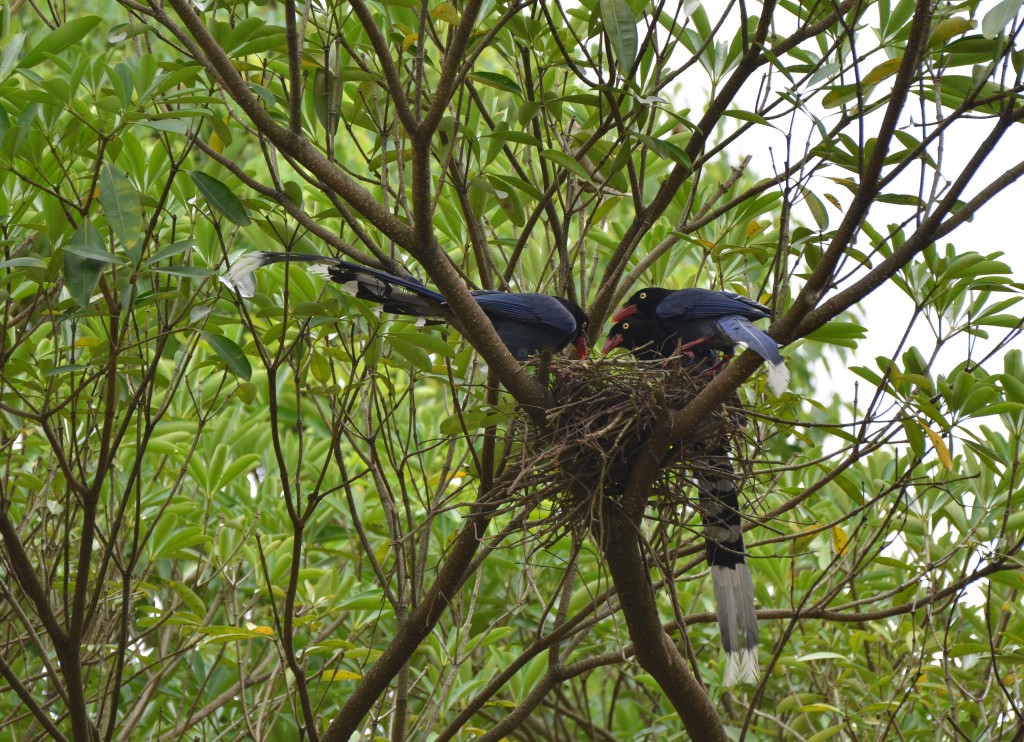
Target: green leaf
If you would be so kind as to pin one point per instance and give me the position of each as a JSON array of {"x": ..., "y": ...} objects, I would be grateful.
[
  {"x": 121, "y": 204},
  {"x": 191, "y": 600},
  {"x": 320, "y": 367},
  {"x": 999, "y": 408},
  {"x": 476, "y": 418},
  {"x": 64, "y": 370},
  {"x": 124, "y": 31},
  {"x": 26, "y": 262},
  {"x": 237, "y": 469},
  {"x": 445, "y": 12},
  {"x": 836, "y": 332},
  {"x": 915, "y": 436},
  {"x": 370, "y": 600},
  {"x": 817, "y": 208},
  {"x": 246, "y": 392},
  {"x": 883, "y": 70},
  {"x": 92, "y": 253},
  {"x": 410, "y": 351},
  {"x": 174, "y": 126},
  {"x": 901, "y": 199},
  {"x": 12, "y": 48},
  {"x": 742, "y": 115},
  {"x": 327, "y": 98},
  {"x": 229, "y": 352},
  {"x": 185, "y": 271},
  {"x": 428, "y": 341},
  {"x": 172, "y": 250},
  {"x": 816, "y": 656},
  {"x": 497, "y": 80},
  {"x": 840, "y": 94},
  {"x": 999, "y": 17},
  {"x": 866, "y": 373},
  {"x": 59, "y": 39},
  {"x": 620, "y": 25},
  {"x": 519, "y": 137},
  {"x": 947, "y": 28},
  {"x": 224, "y": 634},
  {"x": 828, "y": 733},
  {"x": 84, "y": 258},
  {"x": 665, "y": 149},
  {"x": 220, "y": 197},
  {"x": 569, "y": 163}
]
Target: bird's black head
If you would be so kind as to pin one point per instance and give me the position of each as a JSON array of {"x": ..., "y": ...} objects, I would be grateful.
[
  {"x": 643, "y": 302},
  {"x": 643, "y": 336},
  {"x": 581, "y": 338},
  {"x": 648, "y": 340}
]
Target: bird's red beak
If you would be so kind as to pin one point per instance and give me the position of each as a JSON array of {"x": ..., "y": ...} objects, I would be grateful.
[
  {"x": 627, "y": 311},
  {"x": 613, "y": 341},
  {"x": 581, "y": 347}
]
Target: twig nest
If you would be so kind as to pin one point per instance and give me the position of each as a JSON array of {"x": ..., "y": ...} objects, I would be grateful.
[{"x": 604, "y": 414}]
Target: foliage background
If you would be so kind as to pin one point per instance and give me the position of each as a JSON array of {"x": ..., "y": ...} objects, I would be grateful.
[{"x": 266, "y": 519}]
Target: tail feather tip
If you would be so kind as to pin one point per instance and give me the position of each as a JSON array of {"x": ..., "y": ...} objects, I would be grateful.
[
  {"x": 778, "y": 377},
  {"x": 239, "y": 275},
  {"x": 741, "y": 666}
]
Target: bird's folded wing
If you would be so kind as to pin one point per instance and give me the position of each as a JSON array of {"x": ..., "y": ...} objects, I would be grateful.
[
  {"x": 531, "y": 309},
  {"x": 695, "y": 304}
]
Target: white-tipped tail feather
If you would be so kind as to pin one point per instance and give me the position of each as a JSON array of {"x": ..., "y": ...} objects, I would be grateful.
[
  {"x": 322, "y": 270},
  {"x": 778, "y": 377},
  {"x": 741, "y": 667},
  {"x": 239, "y": 275},
  {"x": 737, "y": 622},
  {"x": 740, "y": 330}
]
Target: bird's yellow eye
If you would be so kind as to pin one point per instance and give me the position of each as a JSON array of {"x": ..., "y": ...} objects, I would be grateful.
[
  {"x": 625, "y": 325},
  {"x": 643, "y": 294}
]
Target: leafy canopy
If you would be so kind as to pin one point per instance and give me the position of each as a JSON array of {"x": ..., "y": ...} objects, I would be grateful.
[{"x": 224, "y": 518}]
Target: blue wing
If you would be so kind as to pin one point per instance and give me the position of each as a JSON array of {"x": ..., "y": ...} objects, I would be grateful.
[
  {"x": 687, "y": 305},
  {"x": 530, "y": 309}
]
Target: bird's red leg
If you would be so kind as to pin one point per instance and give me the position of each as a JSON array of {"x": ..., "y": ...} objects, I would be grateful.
[
  {"x": 698, "y": 341},
  {"x": 716, "y": 368},
  {"x": 681, "y": 349}
]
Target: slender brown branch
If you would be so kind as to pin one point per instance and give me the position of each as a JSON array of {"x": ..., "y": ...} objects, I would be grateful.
[
  {"x": 823, "y": 275},
  {"x": 409, "y": 119}
]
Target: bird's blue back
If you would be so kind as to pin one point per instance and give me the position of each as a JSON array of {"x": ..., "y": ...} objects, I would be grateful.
[{"x": 687, "y": 305}]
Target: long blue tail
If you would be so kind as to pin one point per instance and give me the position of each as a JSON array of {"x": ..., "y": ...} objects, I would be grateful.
[
  {"x": 733, "y": 585},
  {"x": 396, "y": 294},
  {"x": 740, "y": 330}
]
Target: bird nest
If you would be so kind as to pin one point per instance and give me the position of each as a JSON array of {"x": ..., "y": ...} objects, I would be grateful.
[{"x": 604, "y": 415}]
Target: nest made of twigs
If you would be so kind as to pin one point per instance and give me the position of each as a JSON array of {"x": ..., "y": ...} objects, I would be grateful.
[{"x": 605, "y": 413}]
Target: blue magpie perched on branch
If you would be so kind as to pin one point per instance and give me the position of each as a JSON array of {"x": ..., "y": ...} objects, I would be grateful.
[
  {"x": 719, "y": 320},
  {"x": 526, "y": 323}
]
